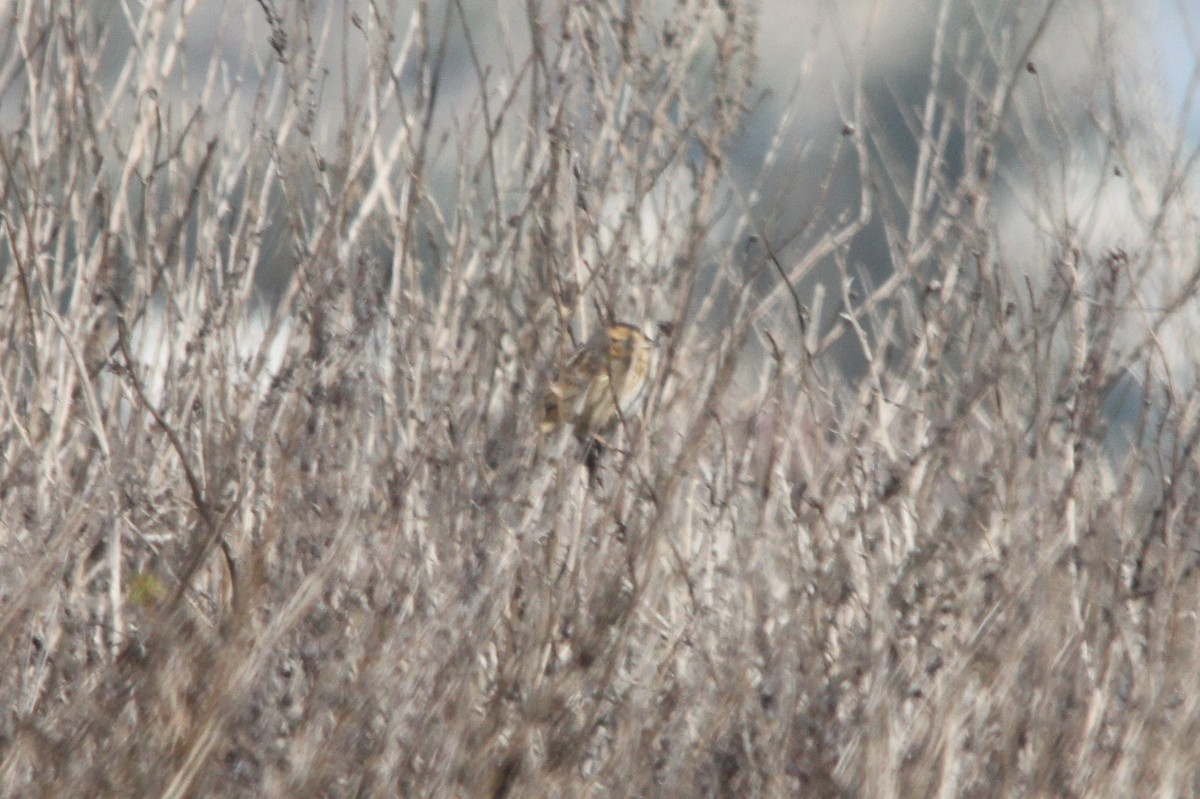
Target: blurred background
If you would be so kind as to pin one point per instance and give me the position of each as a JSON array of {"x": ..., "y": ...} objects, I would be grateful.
[
  {"x": 1093, "y": 131},
  {"x": 908, "y": 509}
]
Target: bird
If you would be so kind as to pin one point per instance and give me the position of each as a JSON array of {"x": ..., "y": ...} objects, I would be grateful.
[{"x": 598, "y": 386}]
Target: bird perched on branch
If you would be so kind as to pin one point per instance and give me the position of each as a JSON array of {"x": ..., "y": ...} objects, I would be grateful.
[{"x": 596, "y": 387}]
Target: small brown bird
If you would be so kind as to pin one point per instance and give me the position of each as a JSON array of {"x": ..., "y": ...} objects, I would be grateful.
[{"x": 598, "y": 385}]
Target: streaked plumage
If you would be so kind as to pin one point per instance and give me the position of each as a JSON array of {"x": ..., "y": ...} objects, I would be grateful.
[{"x": 608, "y": 372}]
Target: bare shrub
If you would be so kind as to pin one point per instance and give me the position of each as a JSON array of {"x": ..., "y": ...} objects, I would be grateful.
[{"x": 908, "y": 512}]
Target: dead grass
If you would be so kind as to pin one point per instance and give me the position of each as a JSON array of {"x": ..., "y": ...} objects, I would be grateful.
[{"x": 275, "y": 517}]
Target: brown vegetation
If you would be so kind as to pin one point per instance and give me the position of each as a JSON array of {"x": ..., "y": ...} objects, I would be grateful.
[{"x": 278, "y": 300}]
